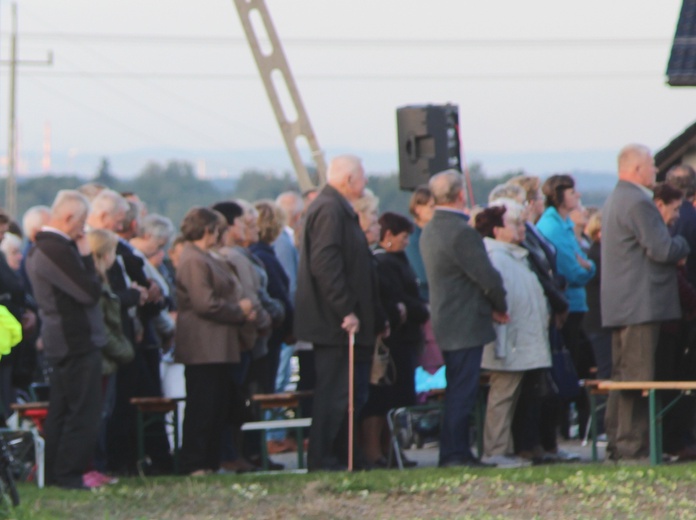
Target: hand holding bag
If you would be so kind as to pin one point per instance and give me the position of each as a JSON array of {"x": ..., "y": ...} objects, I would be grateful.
[{"x": 383, "y": 369}]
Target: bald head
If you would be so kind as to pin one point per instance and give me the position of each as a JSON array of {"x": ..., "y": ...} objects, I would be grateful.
[
  {"x": 636, "y": 165},
  {"x": 447, "y": 189},
  {"x": 347, "y": 176}
]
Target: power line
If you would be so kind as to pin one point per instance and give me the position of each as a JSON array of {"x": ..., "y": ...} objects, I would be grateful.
[
  {"x": 181, "y": 99},
  {"x": 216, "y": 76},
  {"x": 184, "y": 39}
]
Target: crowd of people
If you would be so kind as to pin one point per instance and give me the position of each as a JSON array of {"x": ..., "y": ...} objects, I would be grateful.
[{"x": 109, "y": 296}]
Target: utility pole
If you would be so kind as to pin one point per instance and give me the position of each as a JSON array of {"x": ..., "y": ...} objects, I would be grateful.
[
  {"x": 11, "y": 182},
  {"x": 276, "y": 61}
]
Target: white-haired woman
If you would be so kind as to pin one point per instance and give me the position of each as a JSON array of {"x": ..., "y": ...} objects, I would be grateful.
[{"x": 521, "y": 344}]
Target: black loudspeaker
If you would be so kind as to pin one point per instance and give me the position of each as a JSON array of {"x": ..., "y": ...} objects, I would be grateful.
[{"x": 428, "y": 142}]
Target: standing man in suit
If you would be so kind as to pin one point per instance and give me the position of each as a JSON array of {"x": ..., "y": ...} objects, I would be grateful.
[
  {"x": 638, "y": 292},
  {"x": 466, "y": 297},
  {"x": 336, "y": 295}
]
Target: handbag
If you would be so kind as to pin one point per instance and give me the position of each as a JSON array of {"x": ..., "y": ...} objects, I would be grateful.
[
  {"x": 564, "y": 377},
  {"x": 383, "y": 371}
]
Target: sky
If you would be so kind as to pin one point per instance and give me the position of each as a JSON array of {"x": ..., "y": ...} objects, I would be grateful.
[{"x": 561, "y": 78}]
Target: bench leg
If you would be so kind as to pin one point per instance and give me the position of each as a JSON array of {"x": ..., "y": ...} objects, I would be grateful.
[
  {"x": 593, "y": 424},
  {"x": 655, "y": 448},
  {"x": 264, "y": 451},
  {"x": 175, "y": 418},
  {"x": 299, "y": 438},
  {"x": 141, "y": 440}
]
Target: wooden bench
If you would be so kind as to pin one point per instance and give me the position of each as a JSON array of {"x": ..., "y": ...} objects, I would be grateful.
[
  {"x": 281, "y": 400},
  {"x": 36, "y": 412},
  {"x": 293, "y": 424},
  {"x": 290, "y": 400},
  {"x": 157, "y": 408},
  {"x": 593, "y": 391},
  {"x": 651, "y": 389}
]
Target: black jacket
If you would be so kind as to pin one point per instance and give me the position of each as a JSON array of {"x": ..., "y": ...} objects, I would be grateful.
[
  {"x": 336, "y": 276},
  {"x": 67, "y": 289}
]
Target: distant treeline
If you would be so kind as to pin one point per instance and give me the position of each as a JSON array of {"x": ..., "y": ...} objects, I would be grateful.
[{"x": 173, "y": 188}]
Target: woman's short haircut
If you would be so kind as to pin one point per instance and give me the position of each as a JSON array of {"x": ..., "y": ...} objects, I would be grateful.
[
  {"x": 156, "y": 226},
  {"x": 515, "y": 210},
  {"x": 507, "y": 191},
  {"x": 666, "y": 193},
  {"x": 366, "y": 204},
  {"x": 530, "y": 184},
  {"x": 270, "y": 220},
  {"x": 197, "y": 221},
  {"x": 9, "y": 242},
  {"x": 594, "y": 226},
  {"x": 554, "y": 188},
  {"x": 397, "y": 224},
  {"x": 421, "y": 196},
  {"x": 230, "y": 210},
  {"x": 489, "y": 218}
]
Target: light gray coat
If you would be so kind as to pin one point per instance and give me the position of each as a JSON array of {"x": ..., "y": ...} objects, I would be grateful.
[
  {"x": 639, "y": 257},
  {"x": 522, "y": 343}
]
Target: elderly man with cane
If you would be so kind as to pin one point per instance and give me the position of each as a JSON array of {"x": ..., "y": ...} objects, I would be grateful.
[{"x": 335, "y": 300}]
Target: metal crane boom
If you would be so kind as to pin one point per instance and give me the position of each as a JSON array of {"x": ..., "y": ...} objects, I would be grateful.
[{"x": 275, "y": 60}]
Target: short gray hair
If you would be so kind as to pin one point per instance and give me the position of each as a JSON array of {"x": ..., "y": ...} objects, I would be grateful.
[
  {"x": 110, "y": 202},
  {"x": 513, "y": 209},
  {"x": 68, "y": 200},
  {"x": 9, "y": 241},
  {"x": 446, "y": 186},
  {"x": 33, "y": 219},
  {"x": 156, "y": 226},
  {"x": 507, "y": 191}
]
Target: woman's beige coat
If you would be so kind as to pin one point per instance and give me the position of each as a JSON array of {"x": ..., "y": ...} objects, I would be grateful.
[{"x": 209, "y": 316}]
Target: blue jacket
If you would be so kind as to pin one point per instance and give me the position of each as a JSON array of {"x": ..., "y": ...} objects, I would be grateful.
[
  {"x": 416, "y": 260},
  {"x": 559, "y": 232}
]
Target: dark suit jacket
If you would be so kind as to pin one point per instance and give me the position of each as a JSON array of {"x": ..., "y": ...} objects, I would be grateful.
[
  {"x": 464, "y": 285},
  {"x": 336, "y": 276},
  {"x": 686, "y": 227}
]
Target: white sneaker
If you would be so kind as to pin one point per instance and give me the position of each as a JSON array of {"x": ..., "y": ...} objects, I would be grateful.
[{"x": 504, "y": 461}]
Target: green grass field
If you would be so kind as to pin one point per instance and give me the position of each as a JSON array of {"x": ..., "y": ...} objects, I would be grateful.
[{"x": 561, "y": 491}]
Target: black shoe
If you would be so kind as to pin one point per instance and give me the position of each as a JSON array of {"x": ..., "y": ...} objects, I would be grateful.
[
  {"x": 272, "y": 466},
  {"x": 452, "y": 463},
  {"x": 467, "y": 463}
]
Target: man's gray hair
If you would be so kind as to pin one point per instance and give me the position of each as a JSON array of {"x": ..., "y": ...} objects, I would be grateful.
[
  {"x": 291, "y": 202},
  {"x": 110, "y": 202},
  {"x": 34, "y": 218},
  {"x": 68, "y": 200},
  {"x": 156, "y": 226},
  {"x": 446, "y": 186},
  {"x": 683, "y": 178}
]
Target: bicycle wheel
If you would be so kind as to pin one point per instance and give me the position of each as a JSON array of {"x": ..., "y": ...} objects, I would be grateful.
[{"x": 8, "y": 484}]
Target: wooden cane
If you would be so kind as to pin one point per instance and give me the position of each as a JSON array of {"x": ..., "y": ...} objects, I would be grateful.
[{"x": 351, "y": 398}]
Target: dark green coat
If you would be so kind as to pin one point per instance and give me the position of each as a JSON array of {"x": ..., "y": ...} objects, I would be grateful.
[
  {"x": 118, "y": 350},
  {"x": 464, "y": 286}
]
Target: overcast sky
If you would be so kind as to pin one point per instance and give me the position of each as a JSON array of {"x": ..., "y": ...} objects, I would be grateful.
[{"x": 534, "y": 75}]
